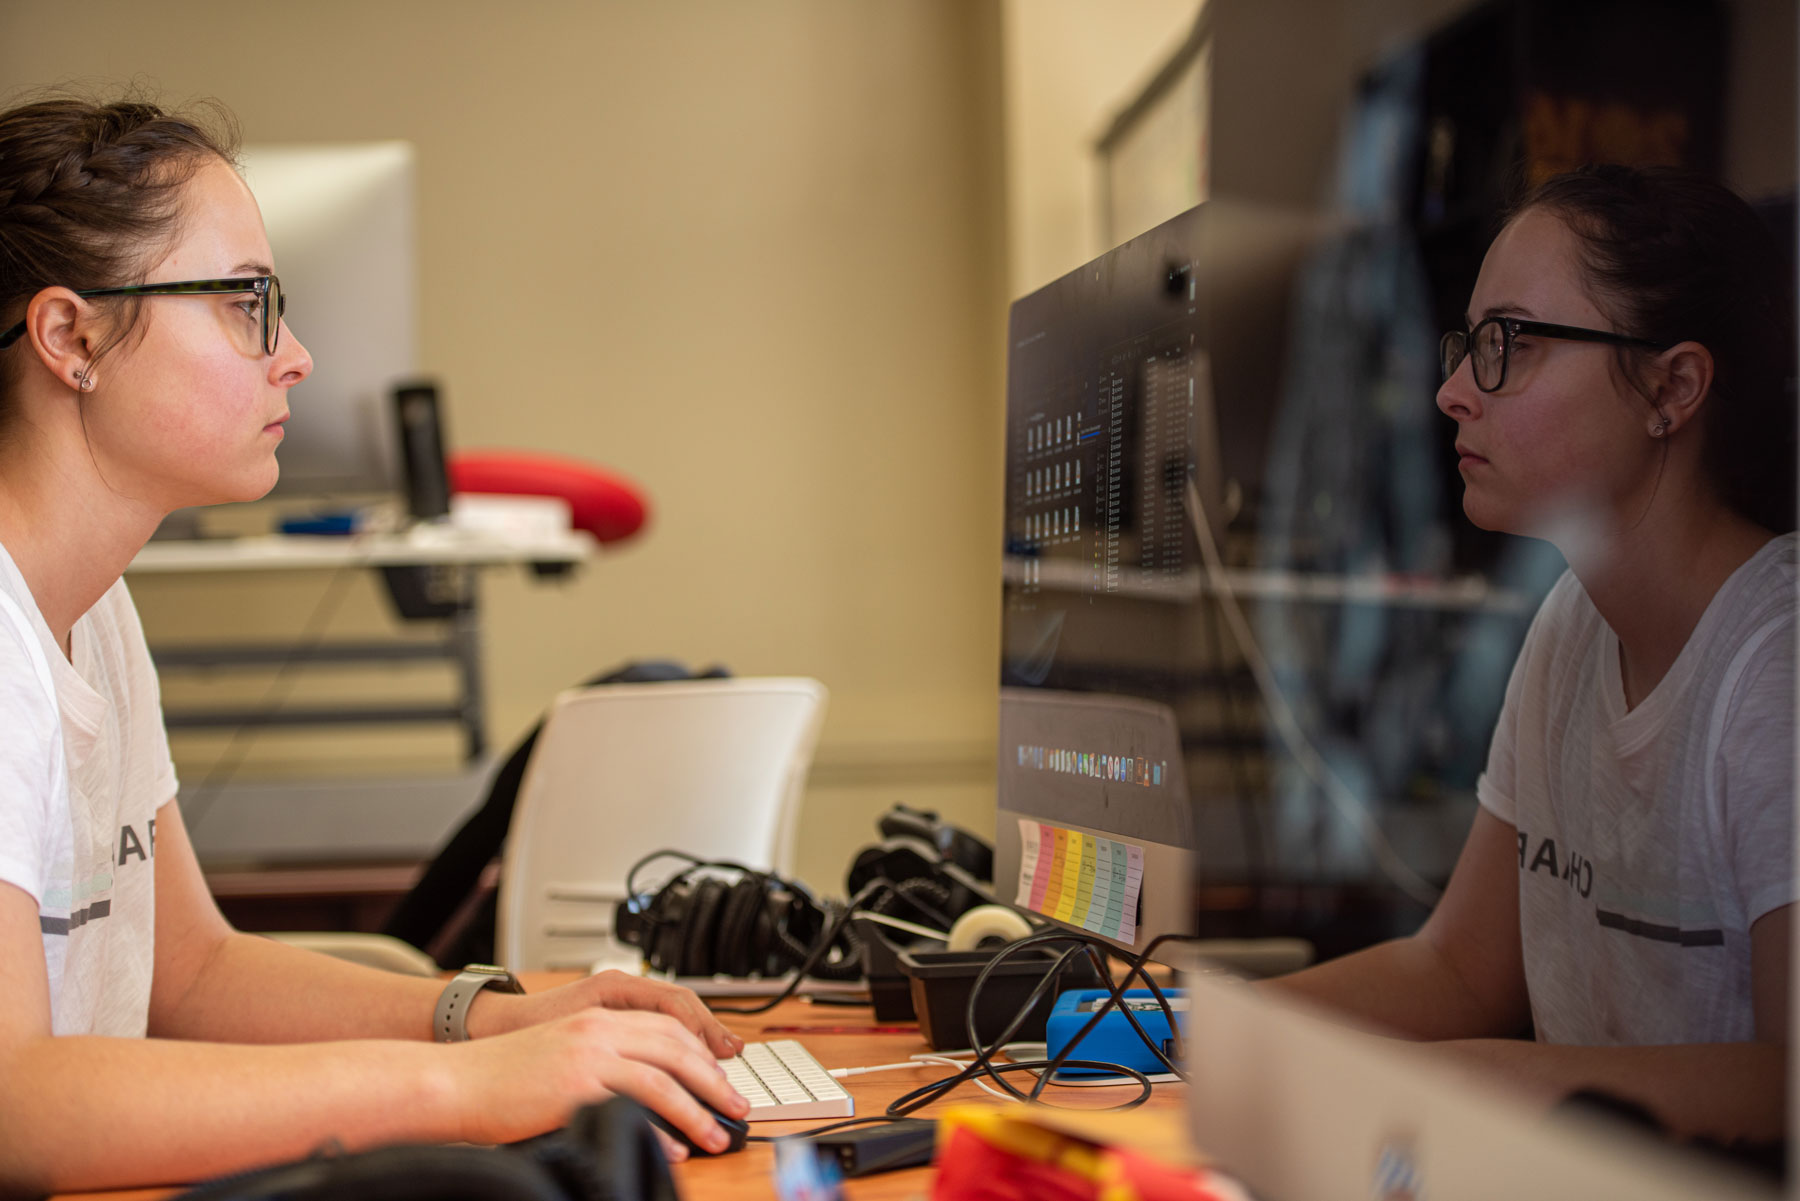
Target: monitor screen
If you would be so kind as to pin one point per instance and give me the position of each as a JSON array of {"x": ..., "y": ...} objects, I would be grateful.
[
  {"x": 340, "y": 221},
  {"x": 1281, "y": 738},
  {"x": 1117, "y": 379}
]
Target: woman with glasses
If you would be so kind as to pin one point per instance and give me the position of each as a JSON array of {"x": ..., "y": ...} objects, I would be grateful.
[
  {"x": 1622, "y": 390},
  {"x": 145, "y": 367}
]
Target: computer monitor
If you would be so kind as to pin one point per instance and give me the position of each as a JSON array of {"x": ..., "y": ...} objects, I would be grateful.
[
  {"x": 1134, "y": 382},
  {"x": 1298, "y": 1105},
  {"x": 340, "y": 219}
]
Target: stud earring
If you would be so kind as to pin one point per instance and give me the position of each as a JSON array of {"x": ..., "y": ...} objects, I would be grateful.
[
  {"x": 1662, "y": 427},
  {"x": 84, "y": 381}
]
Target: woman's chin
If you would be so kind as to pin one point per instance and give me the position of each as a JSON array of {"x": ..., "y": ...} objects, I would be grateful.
[
  {"x": 1483, "y": 514},
  {"x": 251, "y": 485}
]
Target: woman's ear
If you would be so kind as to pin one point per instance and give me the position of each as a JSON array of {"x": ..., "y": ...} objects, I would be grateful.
[
  {"x": 61, "y": 328},
  {"x": 1684, "y": 383}
]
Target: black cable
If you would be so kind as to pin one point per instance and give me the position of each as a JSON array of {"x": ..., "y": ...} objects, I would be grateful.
[
  {"x": 984, "y": 1056},
  {"x": 1091, "y": 947},
  {"x": 1249, "y": 822},
  {"x": 825, "y": 943},
  {"x": 926, "y": 1094},
  {"x": 825, "y": 1129},
  {"x": 695, "y": 863},
  {"x": 983, "y": 1063},
  {"x": 1116, "y": 997},
  {"x": 837, "y": 927}
]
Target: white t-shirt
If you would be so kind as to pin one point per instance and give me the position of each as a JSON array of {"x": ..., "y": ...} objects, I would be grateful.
[
  {"x": 1650, "y": 840},
  {"x": 84, "y": 767}
]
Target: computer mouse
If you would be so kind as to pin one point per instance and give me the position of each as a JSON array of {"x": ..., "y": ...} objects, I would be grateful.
[{"x": 736, "y": 1129}]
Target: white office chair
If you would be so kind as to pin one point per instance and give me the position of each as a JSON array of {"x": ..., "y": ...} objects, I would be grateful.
[
  {"x": 711, "y": 767},
  {"x": 371, "y": 950}
]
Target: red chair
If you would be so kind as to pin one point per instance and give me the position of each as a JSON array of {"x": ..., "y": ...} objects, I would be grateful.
[{"x": 606, "y": 505}]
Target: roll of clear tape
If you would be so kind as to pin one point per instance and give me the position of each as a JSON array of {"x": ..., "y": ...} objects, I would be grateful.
[{"x": 986, "y": 925}]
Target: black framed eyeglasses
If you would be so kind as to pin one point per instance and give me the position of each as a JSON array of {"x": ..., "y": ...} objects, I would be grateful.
[
  {"x": 272, "y": 305},
  {"x": 1489, "y": 345}
]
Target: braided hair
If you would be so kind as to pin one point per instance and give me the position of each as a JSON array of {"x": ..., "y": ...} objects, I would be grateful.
[{"x": 90, "y": 197}]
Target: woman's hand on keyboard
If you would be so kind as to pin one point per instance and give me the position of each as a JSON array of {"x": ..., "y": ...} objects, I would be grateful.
[
  {"x": 495, "y": 1013},
  {"x": 515, "y": 1085}
]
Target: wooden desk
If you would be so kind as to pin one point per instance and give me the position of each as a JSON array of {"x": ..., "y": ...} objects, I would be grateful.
[{"x": 747, "y": 1175}]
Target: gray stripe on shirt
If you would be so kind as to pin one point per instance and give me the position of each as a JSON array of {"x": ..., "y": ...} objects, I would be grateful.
[
  {"x": 1674, "y": 934},
  {"x": 77, "y": 919}
]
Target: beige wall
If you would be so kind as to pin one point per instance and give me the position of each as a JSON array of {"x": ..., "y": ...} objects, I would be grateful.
[
  {"x": 749, "y": 254},
  {"x": 755, "y": 255},
  {"x": 1071, "y": 66}
]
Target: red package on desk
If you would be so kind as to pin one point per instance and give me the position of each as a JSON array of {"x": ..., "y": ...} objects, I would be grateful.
[{"x": 987, "y": 1154}]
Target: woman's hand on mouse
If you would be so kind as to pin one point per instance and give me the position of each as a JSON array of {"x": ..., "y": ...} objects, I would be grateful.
[{"x": 515, "y": 1085}]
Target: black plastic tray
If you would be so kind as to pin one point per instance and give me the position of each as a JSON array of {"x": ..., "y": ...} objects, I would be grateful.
[{"x": 941, "y": 982}]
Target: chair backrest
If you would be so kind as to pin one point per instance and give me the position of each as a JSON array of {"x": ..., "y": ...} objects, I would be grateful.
[{"x": 711, "y": 767}]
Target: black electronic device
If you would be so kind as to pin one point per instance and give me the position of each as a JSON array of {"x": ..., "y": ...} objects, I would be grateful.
[
  {"x": 736, "y": 1130},
  {"x": 1158, "y": 505},
  {"x": 938, "y": 871},
  {"x": 421, "y": 430},
  {"x": 943, "y": 984},
  {"x": 605, "y": 1153},
  {"x": 888, "y": 1147},
  {"x": 952, "y": 843},
  {"x": 721, "y": 918},
  {"x": 1141, "y": 390}
]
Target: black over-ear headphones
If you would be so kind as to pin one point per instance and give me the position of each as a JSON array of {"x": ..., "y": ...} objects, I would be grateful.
[
  {"x": 936, "y": 870},
  {"x": 715, "y": 917}
]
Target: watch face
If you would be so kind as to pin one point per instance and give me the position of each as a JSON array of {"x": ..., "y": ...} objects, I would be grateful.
[{"x": 503, "y": 979}]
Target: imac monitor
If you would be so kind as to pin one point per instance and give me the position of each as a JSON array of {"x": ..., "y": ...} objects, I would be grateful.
[
  {"x": 1296, "y": 1104},
  {"x": 340, "y": 221},
  {"x": 1134, "y": 382}
]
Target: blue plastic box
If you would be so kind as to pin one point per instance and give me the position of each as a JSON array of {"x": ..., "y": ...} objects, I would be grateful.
[{"x": 1113, "y": 1040}]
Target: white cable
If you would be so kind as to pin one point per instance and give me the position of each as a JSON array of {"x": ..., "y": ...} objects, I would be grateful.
[
  {"x": 924, "y": 1060},
  {"x": 840, "y": 1073},
  {"x": 1026, "y": 1052},
  {"x": 1019, "y": 1053},
  {"x": 902, "y": 924},
  {"x": 1311, "y": 762}
]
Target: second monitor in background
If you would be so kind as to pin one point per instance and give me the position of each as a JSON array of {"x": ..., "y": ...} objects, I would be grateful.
[
  {"x": 341, "y": 221},
  {"x": 1143, "y": 378}
]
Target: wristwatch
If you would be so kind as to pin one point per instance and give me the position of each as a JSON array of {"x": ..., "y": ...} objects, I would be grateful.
[{"x": 450, "y": 1024}]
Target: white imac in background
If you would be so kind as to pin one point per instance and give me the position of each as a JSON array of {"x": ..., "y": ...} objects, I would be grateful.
[{"x": 341, "y": 223}]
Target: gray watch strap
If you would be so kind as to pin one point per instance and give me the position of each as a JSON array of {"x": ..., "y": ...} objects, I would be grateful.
[{"x": 450, "y": 1022}]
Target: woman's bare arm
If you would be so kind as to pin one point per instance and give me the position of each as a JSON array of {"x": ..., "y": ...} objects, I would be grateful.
[
  {"x": 1460, "y": 981},
  {"x": 220, "y": 985},
  {"x": 350, "y": 1059},
  {"x": 1461, "y": 976}
]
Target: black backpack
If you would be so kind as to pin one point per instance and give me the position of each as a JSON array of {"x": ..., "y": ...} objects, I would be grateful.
[{"x": 607, "y": 1152}]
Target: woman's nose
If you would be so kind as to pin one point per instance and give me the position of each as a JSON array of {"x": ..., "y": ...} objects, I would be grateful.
[
  {"x": 292, "y": 362},
  {"x": 1457, "y": 396}
]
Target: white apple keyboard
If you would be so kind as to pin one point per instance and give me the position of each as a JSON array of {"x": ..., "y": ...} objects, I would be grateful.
[{"x": 782, "y": 1081}]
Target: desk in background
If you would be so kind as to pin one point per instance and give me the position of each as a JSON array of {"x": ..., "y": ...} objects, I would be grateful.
[
  {"x": 461, "y": 553},
  {"x": 390, "y": 819}
]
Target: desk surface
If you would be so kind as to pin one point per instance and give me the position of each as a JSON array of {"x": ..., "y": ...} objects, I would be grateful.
[
  {"x": 421, "y": 546},
  {"x": 746, "y": 1176}
]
